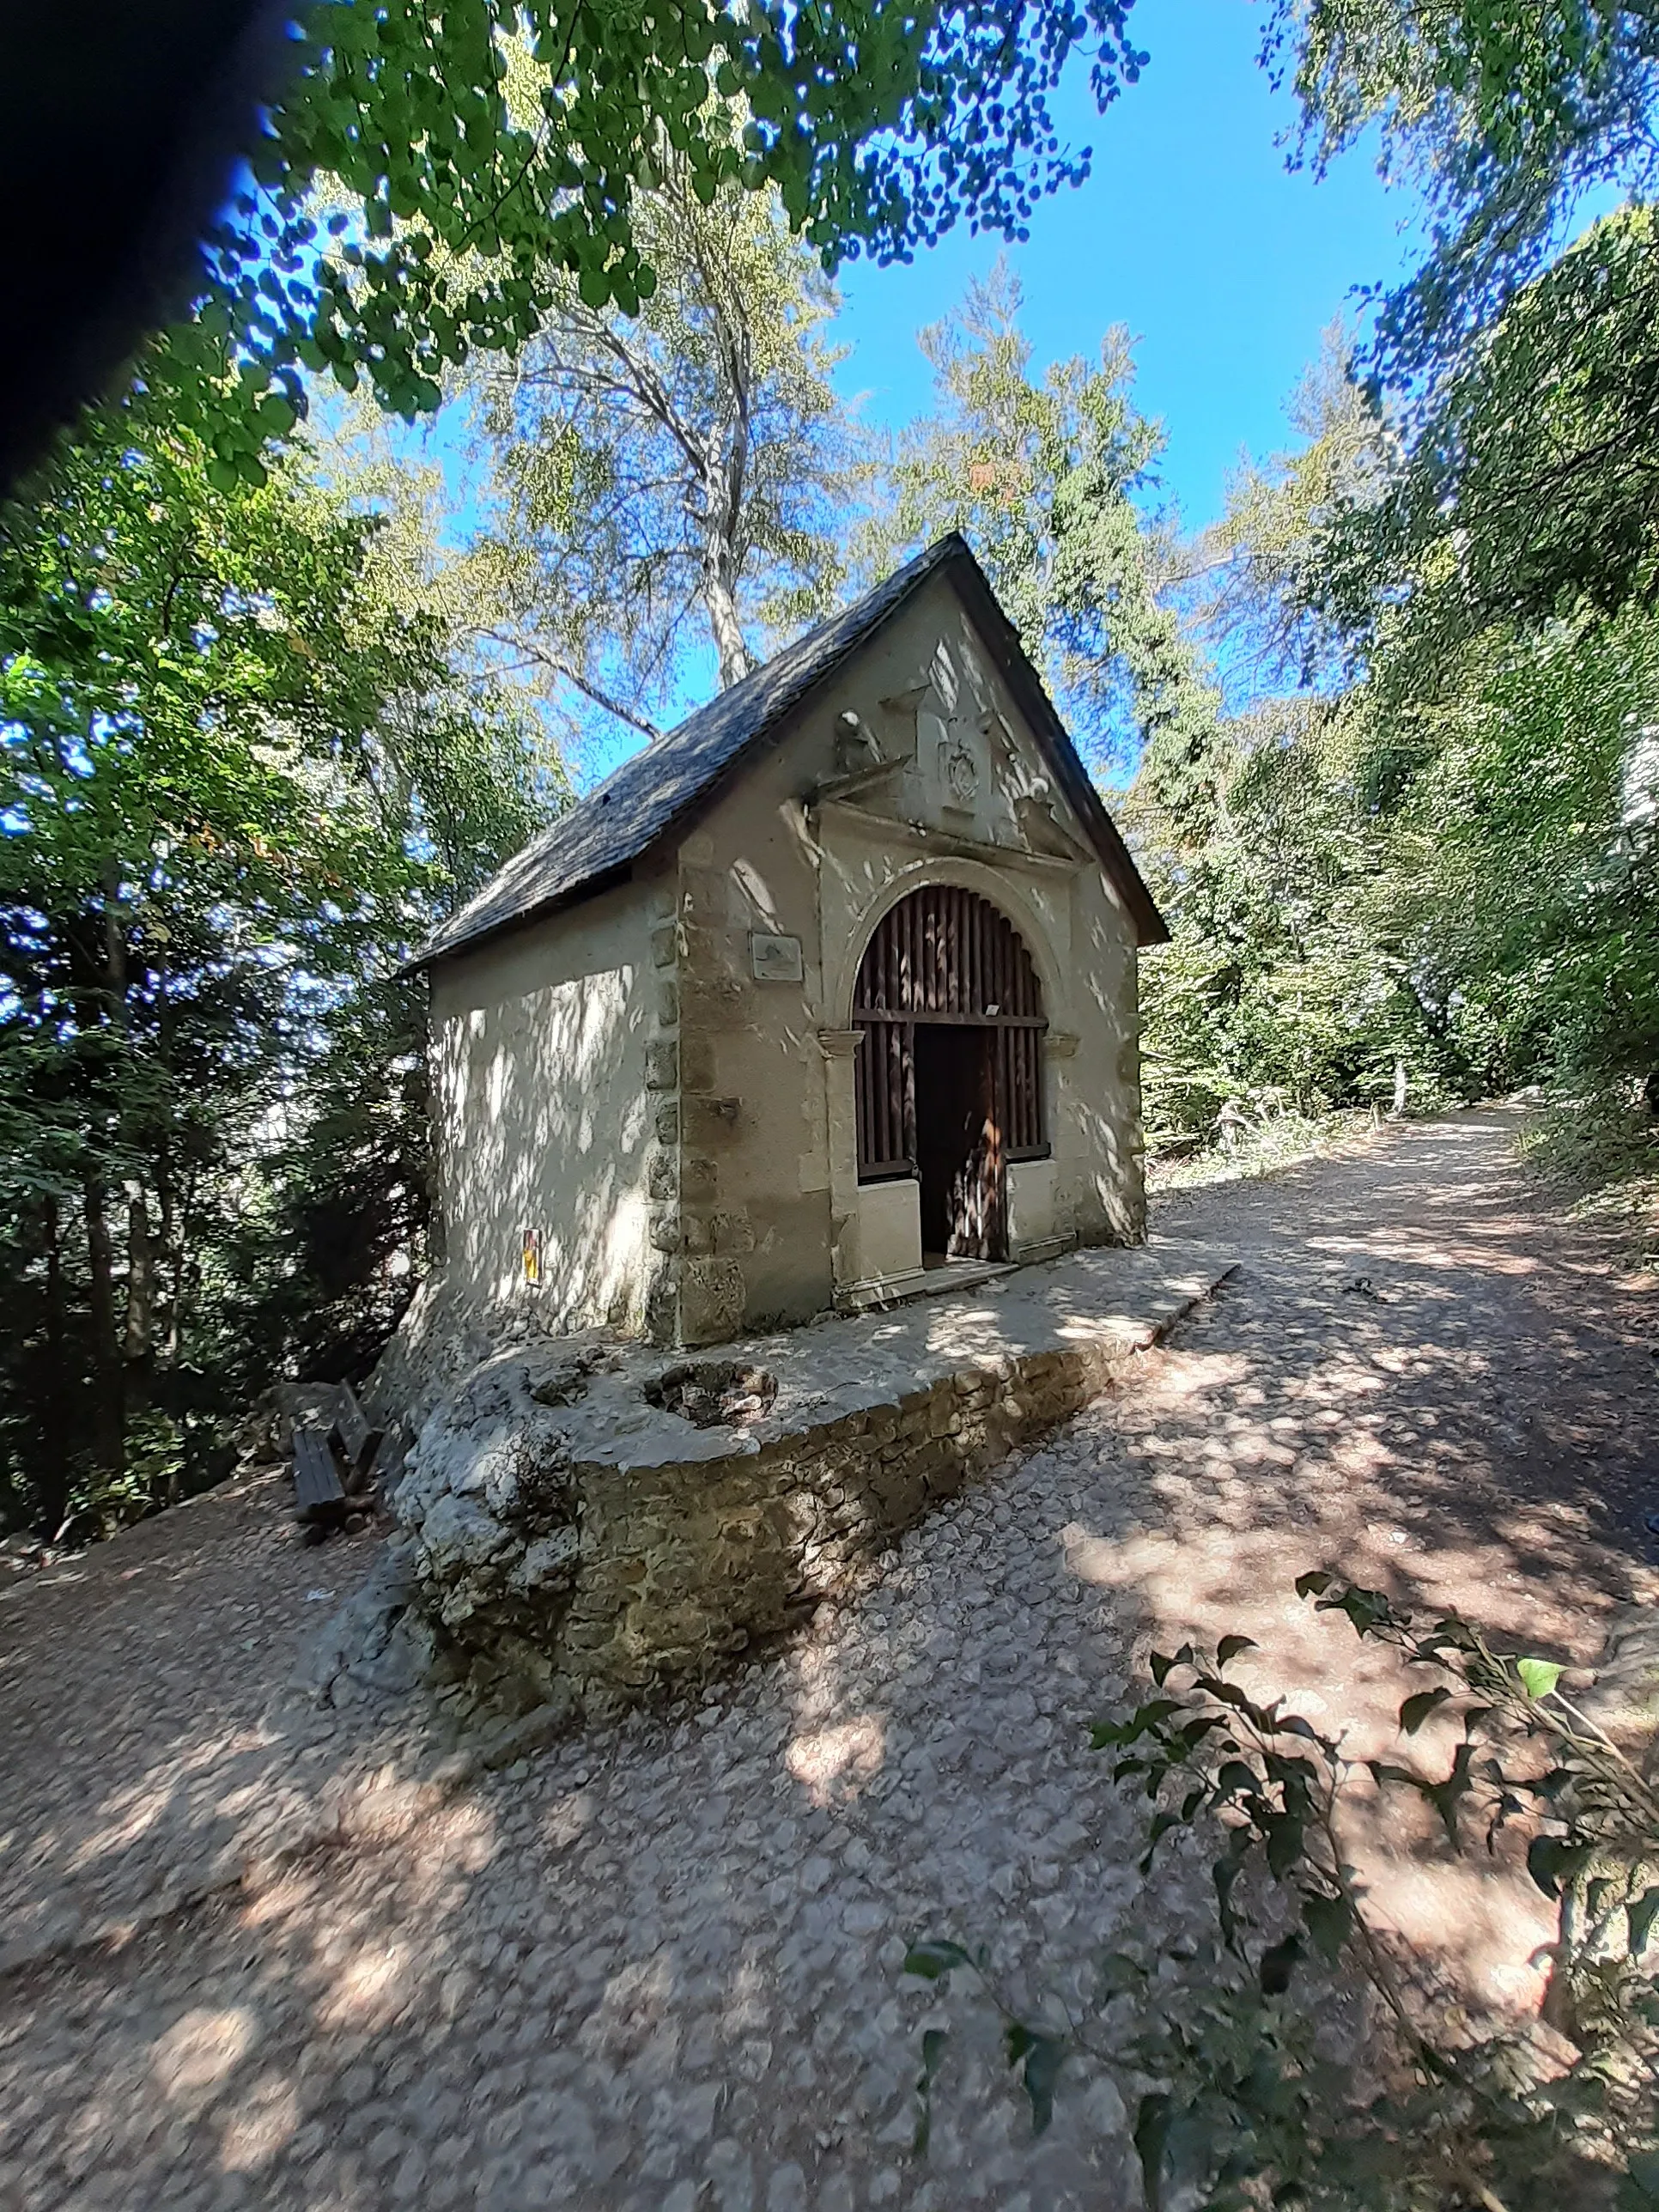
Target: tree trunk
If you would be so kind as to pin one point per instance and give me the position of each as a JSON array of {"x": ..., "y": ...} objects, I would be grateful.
[
  {"x": 108, "y": 1421},
  {"x": 720, "y": 596},
  {"x": 52, "y": 1481},
  {"x": 139, "y": 1348}
]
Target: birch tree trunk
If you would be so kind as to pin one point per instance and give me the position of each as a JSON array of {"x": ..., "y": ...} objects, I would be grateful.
[{"x": 720, "y": 596}]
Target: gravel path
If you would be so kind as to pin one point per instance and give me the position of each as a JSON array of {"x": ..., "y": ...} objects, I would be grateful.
[{"x": 657, "y": 1968}]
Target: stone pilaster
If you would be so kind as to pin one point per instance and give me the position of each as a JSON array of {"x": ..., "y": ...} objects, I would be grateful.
[
  {"x": 662, "y": 1170},
  {"x": 839, "y": 1048}
]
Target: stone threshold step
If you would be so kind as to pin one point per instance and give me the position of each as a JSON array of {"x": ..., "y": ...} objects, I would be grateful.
[{"x": 879, "y": 1291}]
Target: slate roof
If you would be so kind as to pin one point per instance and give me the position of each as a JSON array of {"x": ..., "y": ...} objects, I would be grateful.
[{"x": 595, "y": 842}]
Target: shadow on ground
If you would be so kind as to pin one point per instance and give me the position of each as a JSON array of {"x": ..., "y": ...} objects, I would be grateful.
[{"x": 659, "y": 1968}]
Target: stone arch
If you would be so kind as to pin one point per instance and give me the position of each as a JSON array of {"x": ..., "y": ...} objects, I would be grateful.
[
  {"x": 951, "y": 1088},
  {"x": 989, "y": 882}
]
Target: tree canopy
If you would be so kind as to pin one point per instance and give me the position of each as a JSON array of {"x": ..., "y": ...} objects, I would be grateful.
[
  {"x": 674, "y": 479},
  {"x": 1050, "y": 478},
  {"x": 237, "y": 779},
  {"x": 1503, "y": 113},
  {"x": 462, "y": 207}
]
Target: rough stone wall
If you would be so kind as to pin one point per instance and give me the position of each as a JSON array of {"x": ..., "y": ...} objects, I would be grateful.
[
  {"x": 682, "y": 1567},
  {"x": 552, "y": 1581}
]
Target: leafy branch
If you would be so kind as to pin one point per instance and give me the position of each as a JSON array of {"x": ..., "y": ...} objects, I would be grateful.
[{"x": 1220, "y": 2044}]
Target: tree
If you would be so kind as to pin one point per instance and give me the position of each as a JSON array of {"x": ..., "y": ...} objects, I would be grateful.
[
  {"x": 460, "y": 214},
  {"x": 680, "y": 472},
  {"x": 233, "y": 779},
  {"x": 1259, "y": 570},
  {"x": 1505, "y": 113},
  {"x": 1528, "y": 494},
  {"x": 1044, "y": 479},
  {"x": 1514, "y": 867},
  {"x": 1438, "y": 854}
]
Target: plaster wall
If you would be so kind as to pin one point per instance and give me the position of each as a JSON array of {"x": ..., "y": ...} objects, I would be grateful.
[
  {"x": 1030, "y": 1206},
  {"x": 913, "y": 766},
  {"x": 542, "y": 1051},
  {"x": 754, "y": 1155}
]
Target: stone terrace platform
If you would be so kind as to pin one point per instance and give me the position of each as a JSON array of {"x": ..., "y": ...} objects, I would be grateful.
[
  {"x": 1077, "y": 1318},
  {"x": 609, "y": 1521}
]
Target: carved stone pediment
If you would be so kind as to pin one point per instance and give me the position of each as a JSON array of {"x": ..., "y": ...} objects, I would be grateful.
[
  {"x": 958, "y": 771},
  {"x": 899, "y": 713},
  {"x": 1041, "y": 828},
  {"x": 856, "y": 748}
]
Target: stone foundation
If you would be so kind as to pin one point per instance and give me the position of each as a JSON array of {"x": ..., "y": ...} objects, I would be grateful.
[{"x": 577, "y": 1544}]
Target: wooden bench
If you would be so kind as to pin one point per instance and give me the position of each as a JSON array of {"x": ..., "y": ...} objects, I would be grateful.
[
  {"x": 318, "y": 1494},
  {"x": 357, "y": 1437}
]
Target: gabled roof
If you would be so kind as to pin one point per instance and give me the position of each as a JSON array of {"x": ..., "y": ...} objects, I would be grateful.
[{"x": 661, "y": 788}]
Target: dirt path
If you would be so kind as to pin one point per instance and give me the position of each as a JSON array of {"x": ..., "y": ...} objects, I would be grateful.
[{"x": 657, "y": 1968}]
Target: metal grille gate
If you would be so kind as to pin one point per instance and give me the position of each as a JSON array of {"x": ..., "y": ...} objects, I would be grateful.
[{"x": 946, "y": 956}]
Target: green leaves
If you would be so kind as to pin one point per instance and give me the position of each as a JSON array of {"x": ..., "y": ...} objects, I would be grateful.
[
  {"x": 1154, "y": 2116},
  {"x": 1539, "y": 1676},
  {"x": 1039, "y": 2058},
  {"x": 244, "y": 770},
  {"x": 1366, "y": 1609},
  {"x": 512, "y": 137},
  {"x": 1278, "y": 1963},
  {"x": 933, "y": 2043},
  {"x": 1105, "y": 1735},
  {"x": 1330, "y": 1921},
  {"x": 1246, "y": 2107},
  {"x": 671, "y": 455},
  {"x": 1043, "y": 475}
]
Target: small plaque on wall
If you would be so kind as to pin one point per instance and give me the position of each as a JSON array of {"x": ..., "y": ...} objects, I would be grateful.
[{"x": 776, "y": 959}]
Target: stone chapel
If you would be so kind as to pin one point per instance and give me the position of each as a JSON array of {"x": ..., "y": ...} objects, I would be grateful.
[{"x": 825, "y": 998}]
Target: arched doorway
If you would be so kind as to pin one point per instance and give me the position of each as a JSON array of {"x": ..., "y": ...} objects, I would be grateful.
[{"x": 950, "y": 1069}]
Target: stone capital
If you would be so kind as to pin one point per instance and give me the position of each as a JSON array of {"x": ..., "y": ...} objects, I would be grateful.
[
  {"x": 1059, "y": 1044},
  {"x": 839, "y": 1044}
]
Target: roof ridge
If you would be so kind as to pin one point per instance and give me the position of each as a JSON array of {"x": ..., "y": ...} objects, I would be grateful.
[{"x": 593, "y": 843}]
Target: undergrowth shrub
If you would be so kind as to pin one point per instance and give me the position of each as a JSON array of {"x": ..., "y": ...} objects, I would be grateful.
[
  {"x": 1603, "y": 1152},
  {"x": 1217, "y": 2044}
]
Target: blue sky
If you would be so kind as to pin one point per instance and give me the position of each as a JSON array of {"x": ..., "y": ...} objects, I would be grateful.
[{"x": 1224, "y": 266}]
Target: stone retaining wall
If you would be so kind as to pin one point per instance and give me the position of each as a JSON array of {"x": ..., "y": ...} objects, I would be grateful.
[
  {"x": 684, "y": 1566},
  {"x": 579, "y": 1543}
]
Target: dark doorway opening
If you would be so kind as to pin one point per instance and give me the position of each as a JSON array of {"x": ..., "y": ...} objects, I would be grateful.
[{"x": 959, "y": 1154}]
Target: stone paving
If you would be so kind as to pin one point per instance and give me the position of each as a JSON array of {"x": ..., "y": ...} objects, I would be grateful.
[
  {"x": 142, "y": 1758},
  {"x": 157, "y": 1737},
  {"x": 657, "y": 1966}
]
